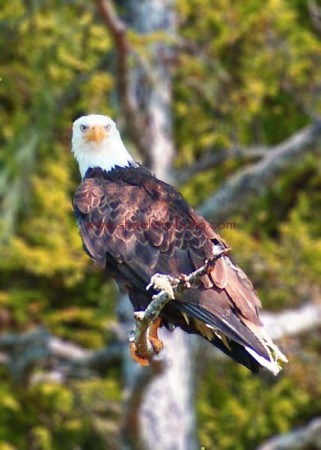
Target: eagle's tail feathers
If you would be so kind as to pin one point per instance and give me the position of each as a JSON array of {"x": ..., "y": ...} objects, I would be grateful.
[
  {"x": 269, "y": 364},
  {"x": 230, "y": 326},
  {"x": 275, "y": 354},
  {"x": 235, "y": 337}
]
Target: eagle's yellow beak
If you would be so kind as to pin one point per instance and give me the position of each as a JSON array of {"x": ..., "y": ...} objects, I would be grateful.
[{"x": 96, "y": 134}]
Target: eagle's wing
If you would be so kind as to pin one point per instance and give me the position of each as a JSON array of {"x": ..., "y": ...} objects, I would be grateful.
[{"x": 150, "y": 229}]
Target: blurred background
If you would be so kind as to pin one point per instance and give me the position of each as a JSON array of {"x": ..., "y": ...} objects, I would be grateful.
[{"x": 221, "y": 98}]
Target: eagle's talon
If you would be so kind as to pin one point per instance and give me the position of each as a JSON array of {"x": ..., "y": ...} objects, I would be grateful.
[
  {"x": 157, "y": 344},
  {"x": 162, "y": 282},
  {"x": 137, "y": 357}
]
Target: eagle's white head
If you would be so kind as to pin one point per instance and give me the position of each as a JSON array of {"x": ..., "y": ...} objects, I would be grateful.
[{"x": 96, "y": 142}]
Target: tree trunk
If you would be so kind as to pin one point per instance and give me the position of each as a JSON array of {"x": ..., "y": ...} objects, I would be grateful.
[{"x": 164, "y": 414}]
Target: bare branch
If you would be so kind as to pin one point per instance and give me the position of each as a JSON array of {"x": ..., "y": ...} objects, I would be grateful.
[
  {"x": 62, "y": 360},
  {"x": 315, "y": 14},
  {"x": 238, "y": 192},
  {"x": 118, "y": 31},
  {"x": 115, "y": 25},
  {"x": 211, "y": 160},
  {"x": 304, "y": 438},
  {"x": 61, "y": 349},
  {"x": 22, "y": 352},
  {"x": 292, "y": 322}
]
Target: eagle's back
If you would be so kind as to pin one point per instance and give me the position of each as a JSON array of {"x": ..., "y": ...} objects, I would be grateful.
[{"x": 131, "y": 216}]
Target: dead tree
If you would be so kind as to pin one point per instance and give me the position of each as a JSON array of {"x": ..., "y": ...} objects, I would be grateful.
[{"x": 166, "y": 413}]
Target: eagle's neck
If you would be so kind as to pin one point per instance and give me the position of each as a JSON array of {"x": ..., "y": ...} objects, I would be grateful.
[{"x": 104, "y": 158}]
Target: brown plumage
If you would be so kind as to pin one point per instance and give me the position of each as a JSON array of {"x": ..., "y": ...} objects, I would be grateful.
[{"x": 135, "y": 225}]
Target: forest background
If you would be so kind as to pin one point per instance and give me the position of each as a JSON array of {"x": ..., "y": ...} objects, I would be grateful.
[{"x": 242, "y": 84}]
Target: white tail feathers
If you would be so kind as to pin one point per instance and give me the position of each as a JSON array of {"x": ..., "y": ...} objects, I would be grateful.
[
  {"x": 275, "y": 354},
  {"x": 272, "y": 365}
]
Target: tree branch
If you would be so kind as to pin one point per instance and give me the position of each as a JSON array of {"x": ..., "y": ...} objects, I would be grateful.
[
  {"x": 210, "y": 160},
  {"x": 292, "y": 322},
  {"x": 304, "y": 438},
  {"x": 63, "y": 360},
  {"x": 115, "y": 25},
  {"x": 21, "y": 352},
  {"x": 118, "y": 31},
  {"x": 315, "y": 14},
  {"x": 238, "y": 191}
]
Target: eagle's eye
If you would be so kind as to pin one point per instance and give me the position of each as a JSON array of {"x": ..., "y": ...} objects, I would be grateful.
[
  {"x": 83, "y": 128},
  {"x": 107, "y": 127}
]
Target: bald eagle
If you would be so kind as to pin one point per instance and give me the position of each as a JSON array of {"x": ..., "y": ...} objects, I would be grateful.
[{"x": 133, "y": 226}]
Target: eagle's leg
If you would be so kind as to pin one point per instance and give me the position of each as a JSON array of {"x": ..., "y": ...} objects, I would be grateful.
[{"x": 153, "y": 335}]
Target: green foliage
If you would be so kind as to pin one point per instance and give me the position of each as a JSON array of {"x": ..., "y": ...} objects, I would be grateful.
[
  {"x": 247, "y": 69},
  {"x": 52, "y": 67},
  {"x": 51, "y": 416},
  {"x": 231, "y": 418},
  {"x": 247, "y": 73}
]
